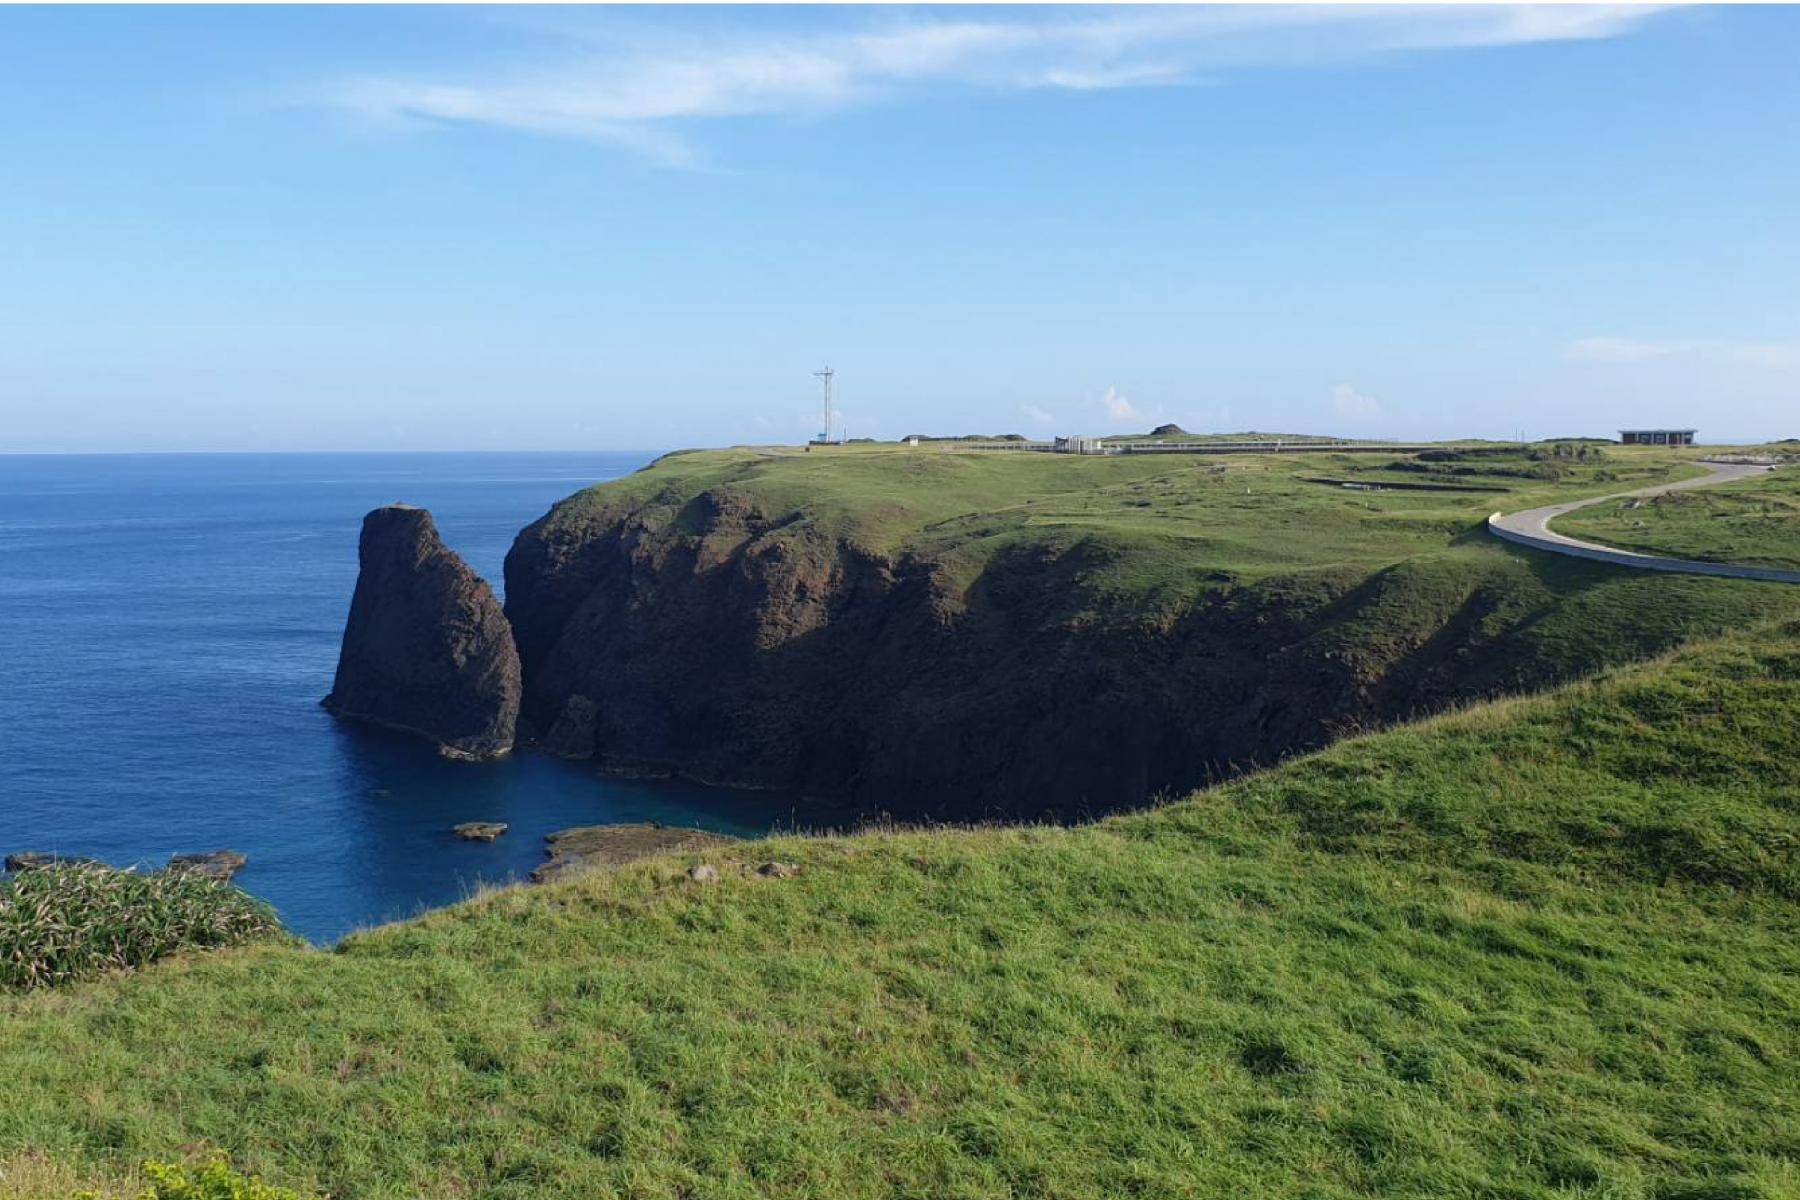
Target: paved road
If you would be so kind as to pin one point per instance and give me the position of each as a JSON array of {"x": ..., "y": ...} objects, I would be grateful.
[{"x": 1532, "y": 528}]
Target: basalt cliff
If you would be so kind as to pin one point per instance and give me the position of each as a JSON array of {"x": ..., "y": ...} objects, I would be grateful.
[
  {"x": 935, "y": 638},
  {"x": 427, "y": 649}
]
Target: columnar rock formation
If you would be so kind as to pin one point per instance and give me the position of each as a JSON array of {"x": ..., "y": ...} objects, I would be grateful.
[{"x": 427, "y": 649}]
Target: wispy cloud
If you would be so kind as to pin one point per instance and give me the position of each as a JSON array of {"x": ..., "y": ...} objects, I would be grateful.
[
  {"x": 1351, "y": 405},
  {"x": 1042, "y": 416},
  {"x": 1118, "y": 408},
  {"x": 1636, "y": 350},
  {"x": 615, "y": 83}
]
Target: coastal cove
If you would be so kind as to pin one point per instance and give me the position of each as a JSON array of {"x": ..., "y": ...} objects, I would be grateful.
[{"x": 175, "y": 620}]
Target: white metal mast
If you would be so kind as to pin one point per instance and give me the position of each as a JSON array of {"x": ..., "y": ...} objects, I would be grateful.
[{"x": 826, "y": 375}]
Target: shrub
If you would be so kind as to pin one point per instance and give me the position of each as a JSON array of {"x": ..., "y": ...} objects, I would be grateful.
[
  {"x": 72, "y": 920},
  {"x": 213, "y": 1181}
]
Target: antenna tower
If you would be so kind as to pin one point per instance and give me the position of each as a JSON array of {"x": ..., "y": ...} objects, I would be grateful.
[{"x": 826, "y": 374}]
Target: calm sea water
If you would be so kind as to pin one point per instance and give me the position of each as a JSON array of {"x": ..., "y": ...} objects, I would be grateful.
[{"x": 171, "y": 622}]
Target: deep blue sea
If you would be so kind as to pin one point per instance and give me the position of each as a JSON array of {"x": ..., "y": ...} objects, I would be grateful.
[{"x": 171, "y": 622}]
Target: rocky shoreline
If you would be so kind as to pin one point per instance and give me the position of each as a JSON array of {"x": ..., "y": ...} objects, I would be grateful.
[
  {"x": 597, "y": 847},
  {"x": 221, "y": 866}
]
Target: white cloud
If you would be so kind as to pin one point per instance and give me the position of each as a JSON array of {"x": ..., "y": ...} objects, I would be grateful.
[
  {"x": 610, "y": 82},
  {"x": 1118, "y": 408},
  {"x": 1040, "y": 415},
  {"x": 1352, "y": 405},
  {"x": 1634, "y": 350}
]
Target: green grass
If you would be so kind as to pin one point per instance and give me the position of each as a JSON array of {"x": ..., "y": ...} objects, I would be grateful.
[
  {"x": 71, "y": 921},
  {"x": 1548, "y": 947},
  {"x": 1228, "y": 519},
  {"x": 1754, "y": 523}
]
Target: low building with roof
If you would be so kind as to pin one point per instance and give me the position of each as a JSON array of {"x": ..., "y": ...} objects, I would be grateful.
[{"x": 1656, "y": 437}]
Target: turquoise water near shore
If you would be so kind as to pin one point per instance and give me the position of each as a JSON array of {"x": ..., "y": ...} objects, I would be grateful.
[{"x": 173, "y": 620}]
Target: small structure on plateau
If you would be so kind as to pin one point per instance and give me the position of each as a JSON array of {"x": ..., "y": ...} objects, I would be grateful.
[
  {"x": 1656, "y": 437},
  {"x": 824, "y": 438}
]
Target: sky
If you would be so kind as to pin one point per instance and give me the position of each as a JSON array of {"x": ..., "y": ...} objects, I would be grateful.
[{"x": 637, "y": 228}]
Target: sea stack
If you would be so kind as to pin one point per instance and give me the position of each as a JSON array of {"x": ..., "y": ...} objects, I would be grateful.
[{"x": 427, "y": 649}]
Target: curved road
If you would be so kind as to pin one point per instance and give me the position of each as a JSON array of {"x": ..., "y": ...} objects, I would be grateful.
[{"x": 1532, "y": 528}]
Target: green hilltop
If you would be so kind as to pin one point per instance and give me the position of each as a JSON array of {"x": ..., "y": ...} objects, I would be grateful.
[
  {"x": 1246, "y": 514},
  {"x": 1197, "y": 519}
]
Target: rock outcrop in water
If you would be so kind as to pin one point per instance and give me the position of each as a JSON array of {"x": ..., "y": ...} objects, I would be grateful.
[
  {"x": 427, "y": 649},
  {"x": 218, "y": 865},
  {"x": 595, "y": 847}
]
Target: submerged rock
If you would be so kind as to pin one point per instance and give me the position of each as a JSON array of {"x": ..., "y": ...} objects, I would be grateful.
[
  {"x": 589, "y": 847},
  {"x": 479, "y": 831},
  {"x": 427, "y": 649},
  {"x": 214, "y": 864}
]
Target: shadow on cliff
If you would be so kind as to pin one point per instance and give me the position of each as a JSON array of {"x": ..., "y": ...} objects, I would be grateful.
[{"x": 702, "y": 639}]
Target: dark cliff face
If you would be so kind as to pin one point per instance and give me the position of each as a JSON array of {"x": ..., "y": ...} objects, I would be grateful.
[
  {"x": 706, "y": 635},
  {"x": 727, "y": 644},
  {"x": 427, "y": 649}
]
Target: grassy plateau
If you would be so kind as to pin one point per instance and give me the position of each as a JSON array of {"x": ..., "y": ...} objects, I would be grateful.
[
  {"x": 1755, "y": 522},
  {"x": 1230, "y": 516}
]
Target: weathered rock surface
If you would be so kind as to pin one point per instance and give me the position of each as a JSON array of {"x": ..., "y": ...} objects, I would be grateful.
[
  {"x": 32, "y": 860},
  {"x": 214, "y": 864},
  {"x": 591, "y": 847},
  {"x": 479, "y": 831},
  {"x": 729, "y": 633},
  {"x": 427, "y": 649}
]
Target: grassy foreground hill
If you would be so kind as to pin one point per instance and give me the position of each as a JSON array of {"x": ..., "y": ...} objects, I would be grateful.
[
  {"x": 1544, "y": 947},
  {"x": 966, "y": 635}
]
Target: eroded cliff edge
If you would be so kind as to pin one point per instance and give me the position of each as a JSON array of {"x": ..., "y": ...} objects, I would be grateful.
[
  {"x": 427, "y": 649},
  {"x": 951, "y": 636}
]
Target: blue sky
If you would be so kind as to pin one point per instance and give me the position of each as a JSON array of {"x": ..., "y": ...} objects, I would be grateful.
[{"x": 448, "y": 228}]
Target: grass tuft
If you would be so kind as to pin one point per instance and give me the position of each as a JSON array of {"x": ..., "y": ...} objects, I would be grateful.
[{"x": 75, "y": 920}]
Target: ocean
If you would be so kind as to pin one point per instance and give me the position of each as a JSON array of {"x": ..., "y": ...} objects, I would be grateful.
[{"x": 171, "y": 622}]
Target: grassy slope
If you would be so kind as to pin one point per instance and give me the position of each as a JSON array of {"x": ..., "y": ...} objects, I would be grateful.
[
  {"x": 1157, "y": 531},
  {"x": 1546, "y": 947},
  {"x": 1257, "y": 516},
  {"x": 1756, "y": 522}
]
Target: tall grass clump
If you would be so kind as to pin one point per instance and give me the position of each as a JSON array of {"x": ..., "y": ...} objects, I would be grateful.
[{"x": 74, "y": 920}]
